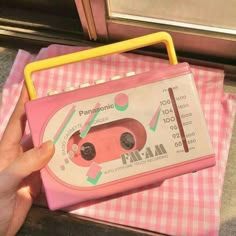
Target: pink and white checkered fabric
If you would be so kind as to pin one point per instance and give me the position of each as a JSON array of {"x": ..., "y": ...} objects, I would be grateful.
[{"x": 185, "y": 205}]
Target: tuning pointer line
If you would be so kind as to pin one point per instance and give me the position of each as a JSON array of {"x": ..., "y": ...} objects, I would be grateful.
[
  {"x": 179, "y": 123},
  {"x": 86, "y": 127},
  {"x": 64, "y": 124}
]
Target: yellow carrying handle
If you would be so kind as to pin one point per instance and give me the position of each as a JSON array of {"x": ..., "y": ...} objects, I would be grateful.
[{"x": 119, "y": 47}]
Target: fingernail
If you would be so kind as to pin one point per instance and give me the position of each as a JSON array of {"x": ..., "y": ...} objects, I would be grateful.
[{"x": 46, "y": 147}]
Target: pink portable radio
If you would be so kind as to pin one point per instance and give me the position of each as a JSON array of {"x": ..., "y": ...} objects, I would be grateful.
[{"x": 126, "y": 133}]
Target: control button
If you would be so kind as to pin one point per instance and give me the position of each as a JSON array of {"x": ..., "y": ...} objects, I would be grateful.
[
  {"x": 100, "y": 81},
  {"x": 84, "y": 85},
  {"x": 131, "y": 73},
  {"x": 68, "y": 89},
  {"x": 115, "y": 77},
  {"x": 52, "y": 92}
]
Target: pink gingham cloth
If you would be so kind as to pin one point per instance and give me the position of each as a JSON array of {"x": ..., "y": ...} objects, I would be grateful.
[{"x": 185, "y": 205}]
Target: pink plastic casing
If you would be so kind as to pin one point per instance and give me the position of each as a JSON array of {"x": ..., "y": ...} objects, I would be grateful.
[{"x": 40, "y": 110}]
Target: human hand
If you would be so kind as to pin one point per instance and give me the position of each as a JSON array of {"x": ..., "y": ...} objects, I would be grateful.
[{"x": 19, "y": 164}]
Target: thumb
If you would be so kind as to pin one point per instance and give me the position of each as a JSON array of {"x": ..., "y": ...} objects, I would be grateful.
[{"x": 28, "y": 162}]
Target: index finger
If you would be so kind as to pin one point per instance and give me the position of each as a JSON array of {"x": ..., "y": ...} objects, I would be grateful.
[{"x": 16, "y": 124}]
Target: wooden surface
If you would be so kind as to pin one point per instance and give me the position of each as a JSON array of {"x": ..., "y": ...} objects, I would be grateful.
[{"x": 40, "y": 222}]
